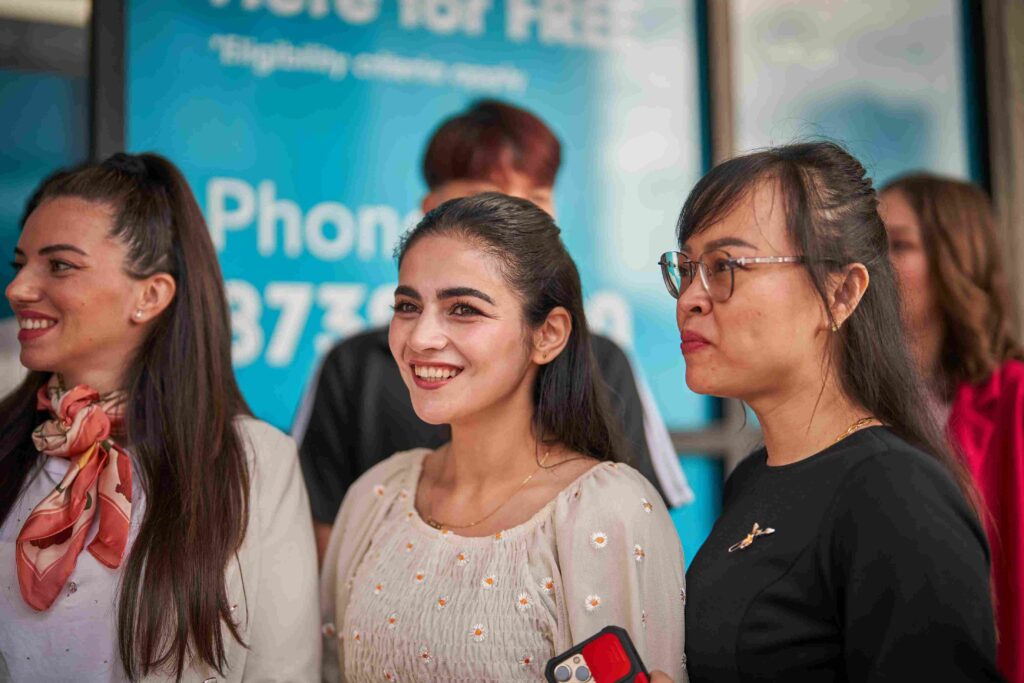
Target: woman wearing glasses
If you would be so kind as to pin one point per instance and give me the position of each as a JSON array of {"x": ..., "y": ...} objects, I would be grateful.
[{"x": 848, "y": 547}]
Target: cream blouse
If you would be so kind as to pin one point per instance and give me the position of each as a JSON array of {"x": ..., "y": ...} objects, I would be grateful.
[{"x": 403, "y": 601}]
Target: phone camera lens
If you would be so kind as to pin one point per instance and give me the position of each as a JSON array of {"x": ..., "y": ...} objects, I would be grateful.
[
  {"x": 583, "y": 674},
  {"x": 563, "y": 673}
]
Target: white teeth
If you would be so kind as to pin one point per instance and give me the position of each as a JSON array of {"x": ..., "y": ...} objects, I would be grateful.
[
  {"x": 434, "y": 372},
  {"x": 35, "y": 323}
]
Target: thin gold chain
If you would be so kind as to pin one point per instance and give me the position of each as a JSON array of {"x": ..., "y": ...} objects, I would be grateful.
[
  {"x": 437, "y": 524},
  {"x": 859, "y": 424}
]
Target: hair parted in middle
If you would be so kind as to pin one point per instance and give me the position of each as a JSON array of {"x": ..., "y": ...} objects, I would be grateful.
[{"x": 570, "y": 397}]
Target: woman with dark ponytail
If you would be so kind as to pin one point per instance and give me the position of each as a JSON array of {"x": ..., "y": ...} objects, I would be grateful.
[
  {"x": 849, "y": 547},
  {"x": 130, "y": 439},
  {"x": 521, "y": 536}
]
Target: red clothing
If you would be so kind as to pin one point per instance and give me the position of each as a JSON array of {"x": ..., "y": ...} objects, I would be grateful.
[{"x": 987, "y": 422}]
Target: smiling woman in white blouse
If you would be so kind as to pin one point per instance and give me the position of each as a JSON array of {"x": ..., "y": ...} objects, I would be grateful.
[{"x": 521, "y": 536}]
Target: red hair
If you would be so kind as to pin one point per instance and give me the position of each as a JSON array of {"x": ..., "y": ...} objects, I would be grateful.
[{"x": 488, "y": 139}]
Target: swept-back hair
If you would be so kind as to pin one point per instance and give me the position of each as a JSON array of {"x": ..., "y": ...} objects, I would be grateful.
[
  {"x": 832, "y": 219},
  {"x": 570, "y": 399},
  {"x": 958, "y": 230},
  {"x": 182, "y": 402}
]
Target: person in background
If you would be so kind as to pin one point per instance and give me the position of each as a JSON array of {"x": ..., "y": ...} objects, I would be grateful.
[
  {"x": 356, "y": 411},
  {"x": 958, "y": 314},
  {"x": 520, "y": 536},
  {"x": 150, "y": 528},
  {"x": 849, "y": 546}
]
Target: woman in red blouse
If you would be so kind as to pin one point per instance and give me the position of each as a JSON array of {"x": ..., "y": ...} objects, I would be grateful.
[{"x": 944, "y": 246}]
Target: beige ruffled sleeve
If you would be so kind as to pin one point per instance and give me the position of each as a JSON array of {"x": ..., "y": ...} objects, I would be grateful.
[
  {"x": 621, "y": 564},
  {"x": 365, "y": 505}
]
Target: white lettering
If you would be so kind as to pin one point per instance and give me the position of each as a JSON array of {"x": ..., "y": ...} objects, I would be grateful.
[
  {"x": 219, "y": 218},
  {"x": 341, "y": 317},
  {"x": 246, "y": 332},
  {"x": 271, "y": 211},
  {"x": 294, "y": 299},
  {"x": 319, "y": 244}
]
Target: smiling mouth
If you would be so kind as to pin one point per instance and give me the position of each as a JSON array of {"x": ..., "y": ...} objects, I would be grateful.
[
  {"x": 35, "y": 323},
  {"x": 435, "y": 373}
]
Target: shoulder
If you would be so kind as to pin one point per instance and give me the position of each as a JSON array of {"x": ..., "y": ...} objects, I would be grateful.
[
  {"x": 263, "y": 442},
  {"x": 613, "y": 492},
  {"x": 389, "y": 477}
]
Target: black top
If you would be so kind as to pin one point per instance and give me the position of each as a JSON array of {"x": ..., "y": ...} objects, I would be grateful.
[
  {"x": 361, "y": 413},
  {"x": 877, "y": 570}
]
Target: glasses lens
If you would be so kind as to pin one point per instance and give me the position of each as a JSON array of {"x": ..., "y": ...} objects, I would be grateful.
[
  {"x": 670, "y": 272},
  {"x": 719, "y": 272}
]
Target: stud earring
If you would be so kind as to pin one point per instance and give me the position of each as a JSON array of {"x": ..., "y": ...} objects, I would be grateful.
[
  {"x": 835, "y": 326},
  {"x": 138, "y": 313}
]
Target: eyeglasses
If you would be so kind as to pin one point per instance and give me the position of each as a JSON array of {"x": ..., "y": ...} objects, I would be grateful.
[{"x": 717, "y": 271}]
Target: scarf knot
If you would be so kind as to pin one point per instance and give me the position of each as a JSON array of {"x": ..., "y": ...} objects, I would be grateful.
[{"x": 98, "y": 482}]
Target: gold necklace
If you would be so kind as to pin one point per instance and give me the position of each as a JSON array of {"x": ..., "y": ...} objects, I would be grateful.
[
  {"x": 859, "y": 424},
  {"x": 441, "y": 526}
]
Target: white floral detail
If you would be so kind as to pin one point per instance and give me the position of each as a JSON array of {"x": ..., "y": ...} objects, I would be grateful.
[
  {"x": 392, "y": 620},
  {"x": 389, "y": 675},
  {"x": 425, "y": 655},
  {"x": 523, "y": 602},
  {"x": 409, "y": 545},
  {"x": 499, "y": 537},
  {"x": 403, "y": 495},
  {"x": 327, "y": 630},
  {"x": 547, "y": 584},
  {"x": 378, "y": 588},
  {"x": 478, "y": 633},
  {"x": 419, "y": 576},
  {"x": 593, "y": 602},
  {"x": 525, "y": 660},
  {"x": 638, "y": 553},
  {"x": 409, "y": 516},
  {"x": 442, "y": 602},
  {"x": 378, "y": 491},
  {"x": 599, "y": 539},
  {"x": 646, "y": 505},
  {"x": 488, "y": 582},
  {"x": 462, "y": 559},
  {"x": 357, "y": 636},
  {"x": 445, "y": 533}
]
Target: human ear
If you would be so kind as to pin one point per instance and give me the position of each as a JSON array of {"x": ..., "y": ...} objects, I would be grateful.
[
  {"x": 845, "y": 292},
  {"x": 155, "y": 294},
  {"x": 551, "y": 336}
]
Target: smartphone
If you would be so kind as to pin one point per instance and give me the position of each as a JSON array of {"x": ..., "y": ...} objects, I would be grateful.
[{"x": 608, "y": 656}]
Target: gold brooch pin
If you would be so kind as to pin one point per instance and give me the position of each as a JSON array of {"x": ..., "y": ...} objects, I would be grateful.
[{"x": 749, "y": 539}]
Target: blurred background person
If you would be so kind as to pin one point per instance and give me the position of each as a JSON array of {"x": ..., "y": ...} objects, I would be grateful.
[
  {"x": 958, "y": 313},
  {"x": 130, "y": 439},
  {"x": 357, "y": 411},
  {"x": 521, "y": 535},
  {"x": 848, "y": 547}
]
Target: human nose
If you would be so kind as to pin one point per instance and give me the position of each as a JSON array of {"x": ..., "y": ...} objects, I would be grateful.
[
  {"x": 427, "y": 333},
  {"x": 695, "y": 299},
  {"x": 22, "y": 289}
]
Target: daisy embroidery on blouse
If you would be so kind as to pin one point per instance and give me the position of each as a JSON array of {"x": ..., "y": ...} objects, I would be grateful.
[
  {"x": 487, "y": 583},
  {"x": 442, "y": 602},
  {"x": 357, "y": 637},
  {"x": 327, "y": 629},
  {"x": 525, "y": 660},
  {"x": 593, "y": 602},
  {"x": 646, "y": 505},
  {"x": 403, "y": 495},
  {"x": 523, "y": 602},
  {"x": 638, "y": 553},
  {"x": 478, "y": 633},
  {"x": 462, "y": 559},
  {"x": 378, "y": 491},
  {"x": 409, "y": 516},
  {"x": 598, "y": 539},
  {"x": 392, "y": 621},
  {"x": 389, "y": 675},
  {"x": 425, "y": 655},
  {"x": 409, "y": 546},
  {"x": 378, "y": 589},
  {"x": 419, "y": 576},
  {"x": 547, "y": 584},
  {"x": 499, "y": 536}
]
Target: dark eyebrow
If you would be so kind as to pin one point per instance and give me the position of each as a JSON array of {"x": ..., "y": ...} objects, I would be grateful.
[
  {"x": 454, "y": 292},
  {"x": 727, "y": 242},
  {"x": 61, "y": 247},
  {"x": 402, "y": 290}
]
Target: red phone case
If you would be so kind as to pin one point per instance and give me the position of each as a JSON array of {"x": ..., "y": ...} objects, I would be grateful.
[{"x": 610, "y": 656}]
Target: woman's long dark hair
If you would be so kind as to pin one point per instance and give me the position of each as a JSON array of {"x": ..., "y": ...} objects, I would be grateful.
[
  {"x": 570, "y": 399},
  {"x": 958, "y": 230},
  {"x": 832, "y": 219},
  {"x": 182, "y": 401}
]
